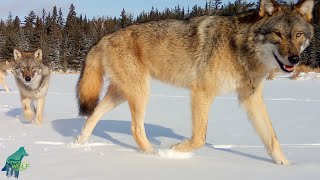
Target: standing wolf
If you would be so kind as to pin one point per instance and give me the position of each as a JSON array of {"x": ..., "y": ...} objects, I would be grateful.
[
  {"x": 32, "y": 78},
  {"x": 4, "y": 69},
  {"x": 210, "y": 55}
]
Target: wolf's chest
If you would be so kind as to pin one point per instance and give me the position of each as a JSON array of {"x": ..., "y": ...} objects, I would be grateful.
[{"x": 226, "y": 83}]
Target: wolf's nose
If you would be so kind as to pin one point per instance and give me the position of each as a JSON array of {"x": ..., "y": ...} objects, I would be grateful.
[
  {"x": 28, "y": 79},
  {"x": 294, "y": 59}
]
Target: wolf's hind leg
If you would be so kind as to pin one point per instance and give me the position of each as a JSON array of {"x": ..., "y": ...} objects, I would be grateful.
[
  {"x": 256, "y": 110},
  {"x": 112, "y": 99},
  {"x": 201, "y": 101},
  {"x": 28, "y": 111}
]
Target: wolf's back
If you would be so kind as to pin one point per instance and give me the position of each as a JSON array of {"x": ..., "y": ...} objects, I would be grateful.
[{"x": 90, "y": 82}]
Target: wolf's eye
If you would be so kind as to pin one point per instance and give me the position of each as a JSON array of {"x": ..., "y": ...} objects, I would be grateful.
[
  {"x": 299, "y": 34},
  {"x": 277, "y": 33}
]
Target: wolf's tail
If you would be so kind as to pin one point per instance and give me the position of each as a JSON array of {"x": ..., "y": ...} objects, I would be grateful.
[{"x": 90, "y": 83}]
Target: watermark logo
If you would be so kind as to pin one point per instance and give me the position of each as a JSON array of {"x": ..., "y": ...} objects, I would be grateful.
[{"x": 14, "y": 163}]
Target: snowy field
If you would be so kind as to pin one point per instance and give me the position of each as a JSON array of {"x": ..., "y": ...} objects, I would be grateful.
[{"x": 233, "y": 150}]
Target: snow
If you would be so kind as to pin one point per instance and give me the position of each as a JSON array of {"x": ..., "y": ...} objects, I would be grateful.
[
  {"x": 171, "y": 154},
  {"x": 233, "y": 149},
  {"x": 310, "y": 75}
]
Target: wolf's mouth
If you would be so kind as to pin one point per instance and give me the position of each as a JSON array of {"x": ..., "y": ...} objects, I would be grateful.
[{"x": 285, "y": 68}]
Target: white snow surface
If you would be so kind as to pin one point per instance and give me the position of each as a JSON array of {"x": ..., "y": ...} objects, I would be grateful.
[{"x": 233, "y": 150}]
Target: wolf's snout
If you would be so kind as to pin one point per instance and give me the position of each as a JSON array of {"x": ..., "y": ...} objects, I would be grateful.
[
  {"x": 28, "y": 79},
  {"x": 294, "y": 59}
]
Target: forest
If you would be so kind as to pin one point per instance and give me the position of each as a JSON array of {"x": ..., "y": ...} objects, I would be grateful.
[{"x": 66, "y": 39}]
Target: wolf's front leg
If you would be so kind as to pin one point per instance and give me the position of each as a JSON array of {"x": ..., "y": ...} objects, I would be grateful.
[
  {"x": 28, "y": 112},
  {"x": 5, "y": 86},
  {"x": 40, "y": 107},
  {"x": 201, "y": 101},
  {"x": 257, "y": 112}
]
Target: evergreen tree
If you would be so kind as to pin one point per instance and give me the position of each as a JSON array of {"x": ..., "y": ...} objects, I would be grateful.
[
  {"x": 125, "y": 19},
  {"x": 66, "y": 42}
]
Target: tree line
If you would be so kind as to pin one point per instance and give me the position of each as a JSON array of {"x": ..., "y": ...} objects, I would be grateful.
[{"x": 66, "y": 41}]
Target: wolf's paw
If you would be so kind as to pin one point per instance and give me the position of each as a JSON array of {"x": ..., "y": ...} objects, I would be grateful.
[
  {"x": 29, "y": 115},
  {"x": 279, "y": 158},
  {"x": 187, "y": 146},
  {"x": 38, "y": 122},
  {"x": 180, "y": 147},
  {"x": 151, "y": 151},
  {"x": 283, "y": 161},
  {"x": 81, "y": 139}
]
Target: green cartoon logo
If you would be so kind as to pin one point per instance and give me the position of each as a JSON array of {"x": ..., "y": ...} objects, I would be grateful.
[{"x": 14, "y": 163}]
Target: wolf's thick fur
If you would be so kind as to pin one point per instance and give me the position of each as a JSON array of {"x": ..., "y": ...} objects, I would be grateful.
[
  {"x": 4, "y": 68},
  {"x": 32, "y": 78},
  {"x": 210, "y": 55}
]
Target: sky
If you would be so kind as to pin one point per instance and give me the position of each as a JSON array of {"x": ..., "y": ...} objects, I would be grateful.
[{"x": 92, "y": 8}]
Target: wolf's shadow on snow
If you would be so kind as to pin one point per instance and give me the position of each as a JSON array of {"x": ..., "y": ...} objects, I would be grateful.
[
  {"x": 14, "y": 112},
  {"x": 17, "y": 113},
  {"x": 72, "y": 127},
  {"x": 63, "y": 126}
]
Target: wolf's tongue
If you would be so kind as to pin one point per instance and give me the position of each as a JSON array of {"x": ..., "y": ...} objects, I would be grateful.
[{"x": 288, "y": 68}]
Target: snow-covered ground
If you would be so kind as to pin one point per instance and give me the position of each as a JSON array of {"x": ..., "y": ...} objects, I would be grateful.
[{"x": 233, "y": 150}]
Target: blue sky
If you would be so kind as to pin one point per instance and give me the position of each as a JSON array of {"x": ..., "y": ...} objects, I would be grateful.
[{"x": 91, "y": 8}]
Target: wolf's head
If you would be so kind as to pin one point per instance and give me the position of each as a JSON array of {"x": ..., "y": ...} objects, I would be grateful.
[
  {"x": 28, "y": 65},
  {"x": 284, "y": 33},
  {"x": 22, "y": 152}
]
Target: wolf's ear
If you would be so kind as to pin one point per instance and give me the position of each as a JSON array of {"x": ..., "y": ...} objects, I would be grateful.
[
  {"x": 38, "y": 55},
  {"x": 268, "y": 7},
  {"x": 305, "y": 8},
  {"x": 17, "y": 55}
]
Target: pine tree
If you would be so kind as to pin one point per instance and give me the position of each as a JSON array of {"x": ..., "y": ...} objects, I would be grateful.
[
  {"x": 66, "y": 42},
  {"x": 125, "y": 19}
]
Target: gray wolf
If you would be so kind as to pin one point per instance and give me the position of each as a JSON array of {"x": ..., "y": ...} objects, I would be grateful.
[
  {"x": 13, "y": 163},
  {"x": 303, "y": 69},
  {"x": 297, "y": 70},
  {"x": 4, "y": 69},
  {"x": 210, "y": 55},
  {"x": 32, "y": 77}
]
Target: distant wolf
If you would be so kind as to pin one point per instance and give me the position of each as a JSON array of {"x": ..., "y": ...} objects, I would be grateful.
[
  {"x": 210, "y": 55},
  {"x": 13, "y": 163},
  {"x": 32, "y": 77},
  {"x": 4, "y": 69},
  {"x": 297, "y": 70},
  {"x": 303, "y": 69}
]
